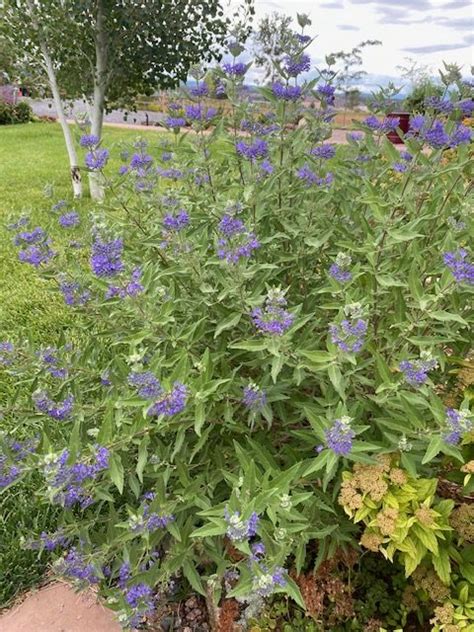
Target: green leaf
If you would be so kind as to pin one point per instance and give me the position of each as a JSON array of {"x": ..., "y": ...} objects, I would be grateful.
[
  {"x": 142, "y": 457},
  {"x": 116, "y": 471},
  {"x": 434, "y": 448},
  {"x": 442, "y": 566},
  {"x": 446, "y": 317},
  {"x": 228, "y": 323},
  {"x": 209, "y": 530},
  {"x": 192, "y": 576},
  {"x": 277, "y": 365},
  {"x": 292, "y": 590},
  {"x": 337, "y": 380}
]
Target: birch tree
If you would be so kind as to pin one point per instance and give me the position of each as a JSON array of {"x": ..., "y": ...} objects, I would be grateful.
[{"x": 110, "y": 51}]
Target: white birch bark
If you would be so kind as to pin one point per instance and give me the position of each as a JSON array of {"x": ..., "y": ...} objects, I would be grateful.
[{"x": 71, "y": 150}]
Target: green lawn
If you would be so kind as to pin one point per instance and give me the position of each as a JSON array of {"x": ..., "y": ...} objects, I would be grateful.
[{"x": 32, "y": 157}]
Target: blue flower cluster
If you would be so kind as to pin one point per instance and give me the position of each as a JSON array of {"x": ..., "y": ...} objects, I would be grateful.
[
  {"x": 11, "y": 462},
  {"x": 69, "y": 482},
  {"x": 458, "y": 422},
  {"x": 146, "y": 383},
  {"x": 295, "y": 65},
  {"x": 7, "y": 353},
  {"x": 140, "y": 598},
  {"x": 339, "y": 269},
  {"x": 60, "y": 411},
  {"x": 239, "y": 529},
  {"x": 69, "y": 220},
  {"x": 273, "y": 319},
  {"x": 252, "y": 151},
  {"x": 324, "y": 151},
  {"x": 235, "y": 241},
  {"x": 254, "y": 398},
  {"x": 234, "y": 69},
  {"x": 310, "y": 178},
  {"x": 416, "y": 371},
  {"x": 76, "y": 566},
  {"x": 286, "y": 93},
  {"x": 171, "y": 403},
  {"x": 349, "y": 335},
  {"x": 340, "y": 435},
  {"x": 131, "y": 288},
  {"x": 106, "y": 257},
  {"x": 52, "y": 363},
  {"x": 461, "y": 268},
  {"x": 35, "y": 247},
  {"x": 73, "y": 293}
]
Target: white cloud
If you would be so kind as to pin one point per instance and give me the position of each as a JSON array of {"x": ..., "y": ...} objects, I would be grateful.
[{"x": 429, "y": 28}]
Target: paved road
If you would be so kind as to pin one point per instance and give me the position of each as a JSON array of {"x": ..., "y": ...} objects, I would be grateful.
[{"x": 45, "y": 107}]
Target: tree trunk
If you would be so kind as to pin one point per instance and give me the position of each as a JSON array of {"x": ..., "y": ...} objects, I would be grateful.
[
  {"x": 96, "y": 180},
  {"x": 75, "y": 170}
]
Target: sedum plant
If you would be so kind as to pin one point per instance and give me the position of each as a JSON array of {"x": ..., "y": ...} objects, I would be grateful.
[{"x": 257, "y": 312}]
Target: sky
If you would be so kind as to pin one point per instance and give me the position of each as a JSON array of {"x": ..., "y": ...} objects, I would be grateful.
[{"x": 429, "y": 31}]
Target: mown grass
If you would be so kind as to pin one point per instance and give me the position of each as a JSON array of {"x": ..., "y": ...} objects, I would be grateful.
[{"x": 32, "y": 157}]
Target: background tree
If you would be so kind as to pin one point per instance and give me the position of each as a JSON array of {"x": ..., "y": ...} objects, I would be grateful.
[
  {"x": 348, "y": 65},
  {"x": 109, "y": 51},
  {"x": 271, "y": 41}
]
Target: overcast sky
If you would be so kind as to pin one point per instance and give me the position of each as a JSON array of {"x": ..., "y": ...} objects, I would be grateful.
[{"x": 428, "y": 30}]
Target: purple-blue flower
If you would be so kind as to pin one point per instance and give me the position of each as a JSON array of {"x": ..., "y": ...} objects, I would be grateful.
[
  {"x": 74, "y": 294},
  {"x": 254, "y": 398},
  {"x": 7, "y": 353},
  {"x": 146, "y": 384},
  {"x": 461, "y": 268},
  {"x": 339, "y": 269},
  {"x": 439, "y": 105},
  {"x": 200, "y": 90},
  {"x": 239, "y": 529},
  {"x": 466, "y": 106},
  {"x": 295, "y": 65},
  {"x": 327, "y": 91},
  {"x": 71, "y": 484},
  {"x": 106, "y": 257},
  {"x": 235, "y": 241},
  {"x": 461, "y": 135},
  {"x": 234, "y": 69},
  {"x": 252, "y": 151},
  {"x": 69, "y": 220},
  {"x": 51, "y": 362},
  {"x": 176, "y": 221},
  {"x": 286, "y": 93},
  {"x": 89, "y": 140},
  {"x": 417, "y": 123},
  {"x": 339, "y": 436},
  {"x": 175, "y": 122},
  {"x": 141, "y": 161},
  {"x": 458, "y": 422},
  {"x": 264, "y": 582},
  {"x": 349, "y": 335},
  {"x": 324, "y": 151},
  {"x": 36, "y": 255},
  {"x": 170, "y": 403},
  {"x": 436, "y": 136},
  {"x": 76, "y": 566},
  {"x": 416, "y": 371},
  {"x": 310, "y": 178},
  {"x": 401, "y": 167},
  {"x": 60, "y": 411},
  {"x": 96, "y": 160},
  {"x": 273, "y": 319},
  {"x": 198, "y": 112}
]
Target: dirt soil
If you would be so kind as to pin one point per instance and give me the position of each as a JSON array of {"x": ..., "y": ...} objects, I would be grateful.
[{"x": 57, "y": 608}]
